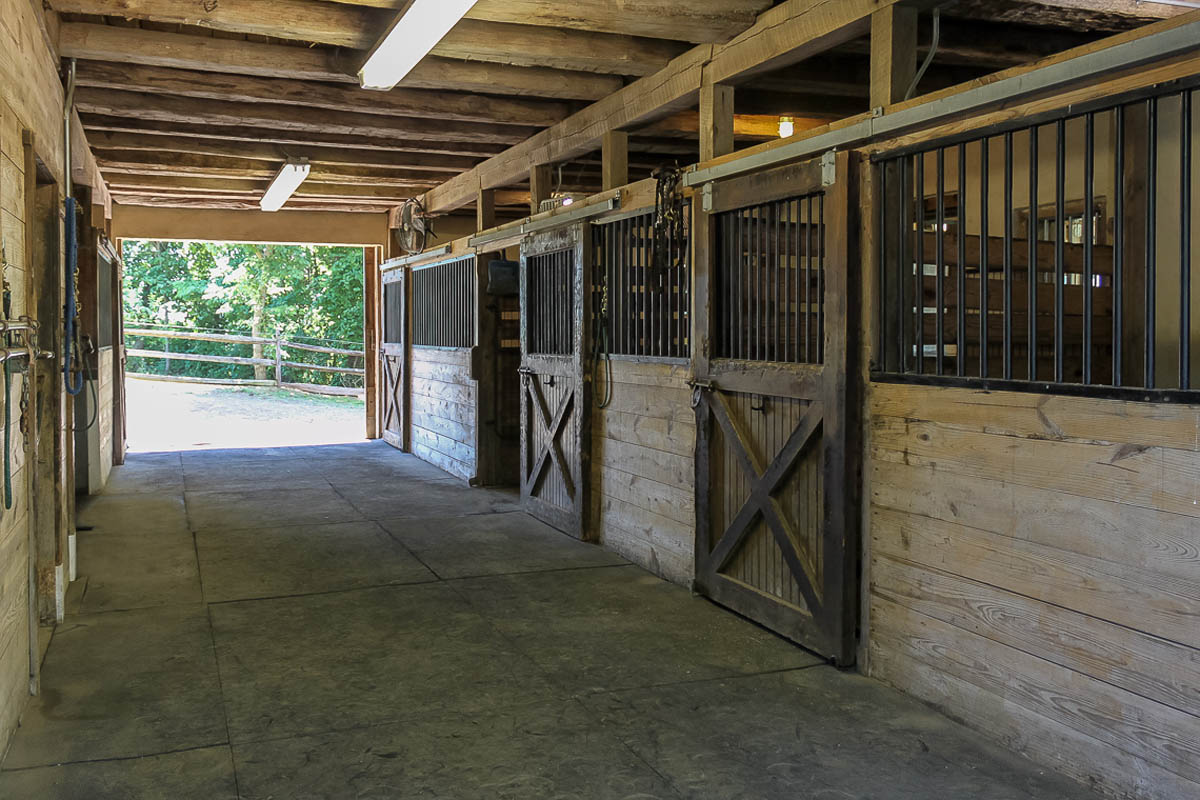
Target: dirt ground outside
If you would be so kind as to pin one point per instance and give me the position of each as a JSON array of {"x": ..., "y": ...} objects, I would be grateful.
[{"x": 186, "y": 416}]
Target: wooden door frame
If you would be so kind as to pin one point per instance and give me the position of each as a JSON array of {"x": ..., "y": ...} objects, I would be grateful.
[
  {"x": 577, "y": 238},
  {"x": 372, "y": 341},
  {"x": 839, "y": 389}
]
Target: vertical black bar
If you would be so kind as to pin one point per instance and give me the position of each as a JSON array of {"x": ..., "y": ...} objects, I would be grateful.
[
  {"x": 984, "y": 259},
  {"x": 882, "y": 258},
  {"x": 821, "y": 267},
  {"x": 1060, "y": 235},
  {"x": 760, "y": 311},
  {"x": 1031, "y": 226},
  {"x": 1089, "y": 237},
  {"x": 906, "y": 310},
  {"x": 741, "y": 276},
  {"x": 960, "y": 336},
  {"x": 808, "y": 257},
  {"x": 940, "y": 260},
  {"x": 788, "y": 342},
  {"x": 919, "y": 273},
  {"x": 776, "y": 276},
  {"x": 1008, "y": 255},
  {"x": 1151, "y": 234},
  {"x": 1118, "y": 253},
  {"x": 1185, "y": 240},
  {"x": 796, "y": 356}
]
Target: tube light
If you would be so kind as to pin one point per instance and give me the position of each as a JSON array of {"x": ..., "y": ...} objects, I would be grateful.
[
  {"x": 285, "y": 182},
  {"x": 409, "y": 40}
]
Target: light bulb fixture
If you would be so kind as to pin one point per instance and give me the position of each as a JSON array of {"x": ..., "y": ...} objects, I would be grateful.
[
  {"x": 284, "y": 184},
  {"x": 414, "y": 33},
  {"x": 787, "y": 126}
]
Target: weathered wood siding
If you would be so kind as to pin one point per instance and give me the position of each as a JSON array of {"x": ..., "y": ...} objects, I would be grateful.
[
  {"x": 444, "y": 409},
  {"x": 100, "y": 440},
  {"x": 1035, "y": 571},
  {"x": 643, "y": 469},
  {"x": 14, "y": 522}
]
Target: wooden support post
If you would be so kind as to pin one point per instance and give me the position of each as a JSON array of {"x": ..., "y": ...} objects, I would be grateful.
[
  {"x": 614, "y": 159},
  {"x": 485, "y": 210},
  {"x": 716, "y": 120},
  {"x": 893, "y": 54},
  {"x": 539, "y": 186},
  {"x": 372, "y": 298},
  {"x": 278, "y": 358}
]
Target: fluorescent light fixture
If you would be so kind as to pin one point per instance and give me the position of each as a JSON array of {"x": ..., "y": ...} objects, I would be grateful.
[
  {"x": 787, "y": 126},
  {"x": 286, "y": 181},
  {"x": 414, "y": 33}
]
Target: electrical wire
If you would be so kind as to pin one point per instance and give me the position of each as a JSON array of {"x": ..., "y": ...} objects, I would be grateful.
[{"x": 933, "y": 48}]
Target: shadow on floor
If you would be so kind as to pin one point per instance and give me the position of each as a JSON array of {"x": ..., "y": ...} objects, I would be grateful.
[{"x": 348, "y": 622}]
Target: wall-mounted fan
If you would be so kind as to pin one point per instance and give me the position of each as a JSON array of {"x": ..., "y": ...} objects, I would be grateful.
[{"x": 412, "y": 227}]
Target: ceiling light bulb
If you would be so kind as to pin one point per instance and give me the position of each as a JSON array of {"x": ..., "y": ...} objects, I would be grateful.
[
  {"x": 786, "y": 127},
  {"x": 410, "y": 39},
  {"x": 285, "y": 183}
]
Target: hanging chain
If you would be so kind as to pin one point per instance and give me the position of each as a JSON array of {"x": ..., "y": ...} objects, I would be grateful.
[{"x": 668, "y": 242}]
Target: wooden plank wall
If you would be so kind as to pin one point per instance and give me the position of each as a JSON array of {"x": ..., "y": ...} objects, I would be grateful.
[
  {"x": 443, "y": 409},
  {"x": 1033, "y": 565},
  {"x": 103, "y": 457},
  {"x": 14, "y": 522},
  {"x": 643, "y": 468}
]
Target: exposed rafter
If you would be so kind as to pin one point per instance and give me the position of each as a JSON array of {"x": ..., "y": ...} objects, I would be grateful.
[
  {"x": 358, "y": 28},
  {"x": 240, "y": 132},
  {"x": 422, "y": 103},
  {"x": 211, "y": 112},
  {"x": 183, "y": 51}
]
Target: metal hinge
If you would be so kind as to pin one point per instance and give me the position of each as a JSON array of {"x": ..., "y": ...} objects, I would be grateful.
[
  {"x": 829, "y": 168},
  {"x": 706, "y": 197}
]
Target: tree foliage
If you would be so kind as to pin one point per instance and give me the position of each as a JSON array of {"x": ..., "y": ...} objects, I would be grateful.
[{"x": 307, "y": 292}]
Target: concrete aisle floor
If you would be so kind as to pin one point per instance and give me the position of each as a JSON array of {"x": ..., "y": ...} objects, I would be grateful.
[{"x": 348, "y": 622}]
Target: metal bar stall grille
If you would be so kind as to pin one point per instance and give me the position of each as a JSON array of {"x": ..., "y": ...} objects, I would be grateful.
[
  {"x": 443, "y": 303},
  {"x": 1060, "y": 247},
  {"x": 771, "y": 281},
  {"x": 551, "y": 303},
  {"x": 393, "y": 304},
  {"x": 647, "y": 309}
]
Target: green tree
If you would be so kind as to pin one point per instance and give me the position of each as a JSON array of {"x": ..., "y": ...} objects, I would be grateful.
[{"x": 304, "y": 291}]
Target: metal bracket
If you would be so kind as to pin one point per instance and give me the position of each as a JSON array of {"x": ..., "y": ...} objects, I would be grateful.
[
  {"x": 706, "y": 197},
  {"x": 829, "y": 168}
]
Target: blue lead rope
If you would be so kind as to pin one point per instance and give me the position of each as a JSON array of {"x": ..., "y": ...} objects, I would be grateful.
[{"x": 76, "y": 386}]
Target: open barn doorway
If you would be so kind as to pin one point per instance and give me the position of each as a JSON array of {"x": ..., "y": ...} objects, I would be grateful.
[{"x": 243, "y": 345}]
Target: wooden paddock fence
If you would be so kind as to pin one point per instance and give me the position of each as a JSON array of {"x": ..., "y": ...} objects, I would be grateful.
[{"x": 277, "y": 362}]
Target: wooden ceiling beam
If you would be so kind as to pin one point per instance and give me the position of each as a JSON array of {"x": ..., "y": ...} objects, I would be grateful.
[
  {"x": 169, "y": 201},
  {"x": 423, "y": 103},
  {"x": 134, "y": 183},
  {"x": 784, "y": 35},
  {"x": 183, "y": 51},
  {"x": 246, "y": 133},
  {"x": 695, "y": 21},
  {"x": 991, "y": 45},
  {"x": 193, "y": 165},
  {"x": 212, "y": 112},
  {"x": 1136, "y": 9},
  {"x": 359, "y": 28},
  {"x": 277, "y": 153}
]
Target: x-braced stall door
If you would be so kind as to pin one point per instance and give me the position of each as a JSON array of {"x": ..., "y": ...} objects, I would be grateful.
[
  {"x": 393, "y": 357},
  {"x": 775, "y": 396},
  {"x": 554, "y": 403}
]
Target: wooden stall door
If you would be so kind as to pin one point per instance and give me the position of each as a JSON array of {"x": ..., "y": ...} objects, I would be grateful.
[
  {"x": 393, "y": 358},
  {"x": 776, "y": 481},
  {"x": 554, "y": 400}
]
